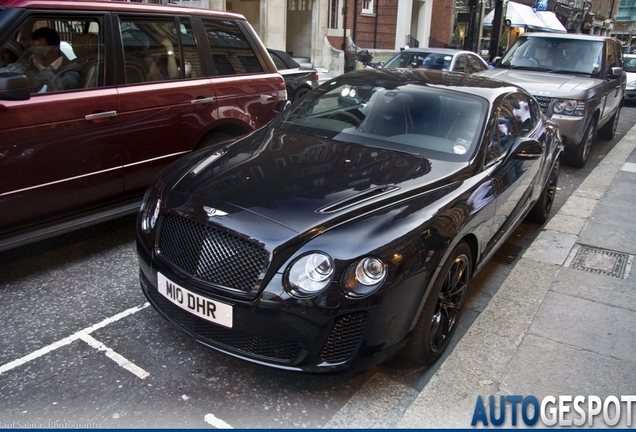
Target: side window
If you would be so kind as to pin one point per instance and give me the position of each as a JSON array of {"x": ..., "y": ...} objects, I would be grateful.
[
  {"x": 516, "y": 117},
  {"x": 613, "y": 57},
  {"x": 475, "y": 64},
  {"x": 153, "y": 50},
  {"x": 56, "y": 54},
  {"x": 461, "y": 64},
  {"x": 231, "y": 49}
]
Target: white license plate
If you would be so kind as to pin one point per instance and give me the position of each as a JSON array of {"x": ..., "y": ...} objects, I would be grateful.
[{"x": 219, "y": 313}]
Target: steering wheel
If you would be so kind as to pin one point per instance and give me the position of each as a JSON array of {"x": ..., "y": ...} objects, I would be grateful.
[
  {"x": 532, "y": 60},
  {"x": 347, "y": 115}
]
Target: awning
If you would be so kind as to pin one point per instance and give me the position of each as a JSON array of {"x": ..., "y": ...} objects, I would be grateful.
[
  {"x": 524, "y": 16},
  {"x": 551, "y": 21}
]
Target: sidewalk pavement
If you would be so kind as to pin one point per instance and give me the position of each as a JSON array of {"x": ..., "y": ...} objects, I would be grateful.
[{"x": 564, "y": 321}]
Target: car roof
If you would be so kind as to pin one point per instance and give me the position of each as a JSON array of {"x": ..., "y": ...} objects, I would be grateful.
[
  {"x": 286, "y": 58},
  {"x": 483, "y": 86},
  {"x": 105, "y": 5},
  {"x": 572, "y": 36},
  {"x": 435, "y": 50}
]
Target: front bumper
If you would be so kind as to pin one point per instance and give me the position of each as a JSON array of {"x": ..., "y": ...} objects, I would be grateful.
[
  {"x": 572, "y": 129},
  {"x": 283, "y": 334}
]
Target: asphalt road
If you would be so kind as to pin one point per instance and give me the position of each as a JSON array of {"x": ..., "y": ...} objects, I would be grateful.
[{"x": 80, "y": 347}]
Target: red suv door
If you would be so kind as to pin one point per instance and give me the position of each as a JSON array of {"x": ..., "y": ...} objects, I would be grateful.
[{"x": 60, "y": 148}]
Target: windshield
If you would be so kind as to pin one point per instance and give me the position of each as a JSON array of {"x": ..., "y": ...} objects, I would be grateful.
[
  {"x": 557, "y": 55},
  {"x": 629, "y": 63},
  {"x": 420, "y": 60},
  {"x": 424, "y": 121}
]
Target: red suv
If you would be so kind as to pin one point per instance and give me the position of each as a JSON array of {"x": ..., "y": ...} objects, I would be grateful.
[{"x": 89, "y": 118}]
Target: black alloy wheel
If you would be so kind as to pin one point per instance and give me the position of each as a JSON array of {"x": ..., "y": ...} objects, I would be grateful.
[
  {"x": 541, "y": 209},
  {"x": 443, "y": 308}
]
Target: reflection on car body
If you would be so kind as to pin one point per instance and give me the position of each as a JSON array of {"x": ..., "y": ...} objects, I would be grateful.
[{"x": 338, "y": 235}]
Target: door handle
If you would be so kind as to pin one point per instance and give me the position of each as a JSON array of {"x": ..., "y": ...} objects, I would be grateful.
[
  {"x": 202, "y": 101},
  {"x": 101, "y": 115}
]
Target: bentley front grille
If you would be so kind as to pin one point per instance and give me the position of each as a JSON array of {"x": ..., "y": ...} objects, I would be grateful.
[
  {"x": 345, "y": 338},
  {"x": 210, "y": 254}
]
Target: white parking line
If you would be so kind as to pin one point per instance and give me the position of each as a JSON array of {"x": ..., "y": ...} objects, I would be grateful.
[
  {"x": 84, "y": 335},
  {"x": 217, "y": 423},
  {"x": 117, "y": 358}
]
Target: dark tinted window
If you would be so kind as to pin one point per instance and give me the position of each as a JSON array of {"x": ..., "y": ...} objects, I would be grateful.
[
  {"x": 152, "y": 50},
  {"x": 231, "y": 49},
  {"x": 517, "y": 116},
  {"x": 56, "y": 53}
]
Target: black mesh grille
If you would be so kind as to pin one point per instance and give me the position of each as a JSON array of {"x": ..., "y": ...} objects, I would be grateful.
[
  {"x": 210, "y": 254},
  {"x": 280, "y": 351},
  {"x": 345, "y": 338},
  {"x": 544, "y": 103}
]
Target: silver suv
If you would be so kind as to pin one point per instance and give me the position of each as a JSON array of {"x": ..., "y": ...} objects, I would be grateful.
[{"x": 577, "y": 79}]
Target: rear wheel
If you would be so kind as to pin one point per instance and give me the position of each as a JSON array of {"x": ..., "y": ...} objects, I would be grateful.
[
  {"x": 300, "y": 93},
  {"x": 443, "y": 308},
  {"x": 541, "y": 209},
  {"x": 212, "y": 139},
  {"x": 578, "y": 156}
]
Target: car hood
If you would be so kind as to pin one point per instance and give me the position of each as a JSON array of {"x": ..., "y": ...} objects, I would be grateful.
[
  {"x": 302, "y": 182},
  {"x": 545, "y": 83}
]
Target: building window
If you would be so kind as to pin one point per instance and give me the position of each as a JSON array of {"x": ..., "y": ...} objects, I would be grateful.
[
  {"x": 334, "y": 13},
  {"x": 299, "y": 5},
  {"x": 367, "y": 6}
]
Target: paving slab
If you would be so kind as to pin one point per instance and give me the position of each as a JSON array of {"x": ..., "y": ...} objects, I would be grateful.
[{"x": 592, "y": 326}]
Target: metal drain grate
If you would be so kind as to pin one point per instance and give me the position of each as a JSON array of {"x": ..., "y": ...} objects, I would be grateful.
[
  {"x": 507, "y": 253},
  {"x": 602, "y": 261}
]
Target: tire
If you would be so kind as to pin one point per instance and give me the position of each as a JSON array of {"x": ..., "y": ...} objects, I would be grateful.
[
  {"x": 608, "y": 130},
  {"x": 443, "y": 308},
  {"x": 578, "y": 156},
  {"x": 300, "y": 93},
  {"x": 213, "y": 139},
  {"x": 541, "y": 209}
]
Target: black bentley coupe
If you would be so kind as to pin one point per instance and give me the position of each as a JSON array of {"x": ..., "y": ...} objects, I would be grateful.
[{"x": 337, "y": 236}]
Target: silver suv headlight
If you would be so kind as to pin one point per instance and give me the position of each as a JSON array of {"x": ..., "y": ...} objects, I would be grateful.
[{"x": 569, "y": 107}]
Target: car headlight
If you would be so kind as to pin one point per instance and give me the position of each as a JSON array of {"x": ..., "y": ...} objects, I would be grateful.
[
  {"x": 150, "y": 215},
  {"x": 310, "y": 274},
  {"x": 569, "y": 107},
  {"x": 348, "y": 92},
  {"x": 631, "y": 84},
  {"x": 364, "y": 277}
]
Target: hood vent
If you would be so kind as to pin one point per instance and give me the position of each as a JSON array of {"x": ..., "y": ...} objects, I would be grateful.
[{"x": 357, "y": 199}]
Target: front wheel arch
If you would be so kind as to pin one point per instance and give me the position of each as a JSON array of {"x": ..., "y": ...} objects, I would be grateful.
[{"x": 442, "y": 310}]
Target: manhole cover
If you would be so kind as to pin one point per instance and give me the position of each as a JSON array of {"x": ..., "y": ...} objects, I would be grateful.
[{"x": 602, "y": 261}]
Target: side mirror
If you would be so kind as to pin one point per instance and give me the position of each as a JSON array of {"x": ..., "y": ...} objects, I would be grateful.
[
  {"x": 13, "y": 86},
  {"x": 527, "y": 149},
  {"x": 616, "y": 72}
]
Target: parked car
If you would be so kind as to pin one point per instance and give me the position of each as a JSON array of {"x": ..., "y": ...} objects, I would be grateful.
[
  {"x": 155, "y": 82},
  {"x": 578, "y": 80},
  {"x": 334, "y": 237},
  {"x": 299, "y": 80},
  {"x": 438, "y": 58},
  {"x": 420, "y": 58},
  {"x": 629, "y": 63}
]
